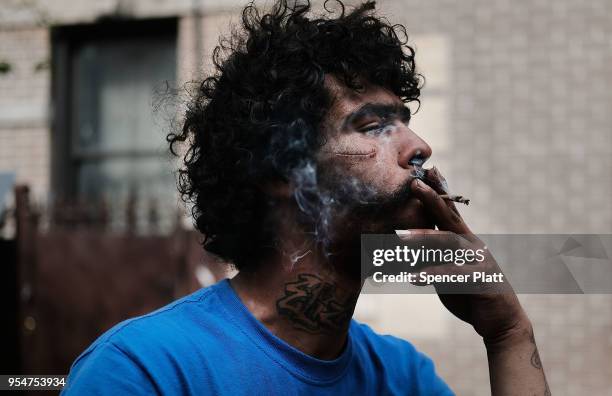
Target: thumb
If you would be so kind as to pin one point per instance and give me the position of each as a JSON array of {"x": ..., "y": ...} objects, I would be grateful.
[{"x": 445, "y": 217}]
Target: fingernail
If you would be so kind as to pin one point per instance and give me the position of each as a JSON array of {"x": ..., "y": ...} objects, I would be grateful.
[
  {"x": 418, "y": 183},
  {"x": 402, "y": 232}
]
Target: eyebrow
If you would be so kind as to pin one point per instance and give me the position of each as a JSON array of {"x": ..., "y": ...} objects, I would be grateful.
[{"x": 381, "y": 110}]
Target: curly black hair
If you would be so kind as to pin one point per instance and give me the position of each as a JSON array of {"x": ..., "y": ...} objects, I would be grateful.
[{"x": 259, "y": 116}]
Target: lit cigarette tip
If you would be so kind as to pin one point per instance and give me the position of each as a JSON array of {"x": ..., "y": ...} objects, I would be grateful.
[{"x": 456, "y": 198}]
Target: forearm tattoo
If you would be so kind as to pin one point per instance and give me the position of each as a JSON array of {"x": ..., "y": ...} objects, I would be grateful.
[
  {"x": 315, "y": 305},
  {"x": 537, "y": 363}
]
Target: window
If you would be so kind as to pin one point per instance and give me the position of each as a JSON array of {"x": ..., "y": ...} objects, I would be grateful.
[{"x": 108, "y": 143}]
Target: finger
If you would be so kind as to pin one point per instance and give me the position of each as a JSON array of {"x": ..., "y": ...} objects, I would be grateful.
[
  {"x": 472, "y": 286},
  {"x": 435, "y": 248},
  {"x": 435, "y": 180},
  {"x": 431, "y": 275},
  {"x": 445, "y": 218},
  {"x": 439, "y": 238}
]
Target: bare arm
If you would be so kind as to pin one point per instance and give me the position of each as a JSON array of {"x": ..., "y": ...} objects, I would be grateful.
[{"x": 515, "y": 367}]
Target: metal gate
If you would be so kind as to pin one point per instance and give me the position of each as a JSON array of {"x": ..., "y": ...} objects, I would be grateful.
[{"x": 75, "y": 283}]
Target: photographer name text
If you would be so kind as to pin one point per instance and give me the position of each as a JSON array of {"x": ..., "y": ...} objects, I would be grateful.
[{"x": 426, "y": 278}]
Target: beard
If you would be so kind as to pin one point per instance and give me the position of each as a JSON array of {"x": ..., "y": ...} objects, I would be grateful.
[
  {"x": 357, "y": 210},
  {"x": 335, "y": 206},
  {"x": 355, "y": 207},
  {"x": 386, "y": 202},
  {"x": 336, "y": 209}
]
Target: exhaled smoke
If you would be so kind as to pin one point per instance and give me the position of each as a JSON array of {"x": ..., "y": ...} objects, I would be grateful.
[
  {"x": 321, "y": 205},
  {"x": 324, "y": 200},
  {"x": 326, "y": 196}
]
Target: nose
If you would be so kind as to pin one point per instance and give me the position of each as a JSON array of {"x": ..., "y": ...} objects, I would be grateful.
[{"x": 411, "y": 148}]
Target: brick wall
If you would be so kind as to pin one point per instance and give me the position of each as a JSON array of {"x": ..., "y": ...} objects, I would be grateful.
[
  {"x": 530, "y": 143},
  {"x": 24, "y": 133}
]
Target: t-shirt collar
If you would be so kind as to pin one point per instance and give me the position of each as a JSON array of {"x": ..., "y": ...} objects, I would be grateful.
[{"x": 304, "y": 366}]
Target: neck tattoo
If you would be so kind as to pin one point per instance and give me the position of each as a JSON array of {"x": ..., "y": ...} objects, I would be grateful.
[{"x": 316, "y": 306}]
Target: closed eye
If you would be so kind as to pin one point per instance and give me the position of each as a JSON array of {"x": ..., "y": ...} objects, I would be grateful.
[
  {"x": 373, "y": 117},
  {"x": 370, "y": 127}
]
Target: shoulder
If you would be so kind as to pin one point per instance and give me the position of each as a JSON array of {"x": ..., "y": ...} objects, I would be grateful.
[
  {"x": 106, "y": 369},
  {"x": 168, "y": 323},
  {"x": 168, "y": 330},
  {"x": 146, "y": 349}
]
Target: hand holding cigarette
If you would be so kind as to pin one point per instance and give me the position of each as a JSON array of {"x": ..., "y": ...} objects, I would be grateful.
[
  {"x": 455, "y": 198},
  {"x": 433, "y": 178},
  {"x": 493, "y": 310}
]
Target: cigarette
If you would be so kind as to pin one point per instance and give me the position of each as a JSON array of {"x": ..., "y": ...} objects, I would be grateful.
[{"x": 455, "y": 198}]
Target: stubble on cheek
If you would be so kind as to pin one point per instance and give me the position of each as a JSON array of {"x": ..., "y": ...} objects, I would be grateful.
[
  {"x": 350, "y": 148},
  {"x": 366, "y": 163},
  {"x": 346, "y": 163},
  {"x": 348, "y": 157}
]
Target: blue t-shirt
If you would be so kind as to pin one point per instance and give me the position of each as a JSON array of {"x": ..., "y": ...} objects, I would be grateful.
[{"x": 208, "y": 343}]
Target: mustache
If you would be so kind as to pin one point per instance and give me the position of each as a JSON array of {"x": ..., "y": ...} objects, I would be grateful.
[
  {"x": 354, "y": 194},
  {"x": 402, "y": 194},
  {"x": 388, "y": 201}
]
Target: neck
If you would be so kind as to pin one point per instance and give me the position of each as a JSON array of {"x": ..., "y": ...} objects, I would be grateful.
[{"x": 308, "y": 303}]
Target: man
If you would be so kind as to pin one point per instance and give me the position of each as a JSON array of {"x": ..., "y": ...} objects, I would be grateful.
[{"x": 295, "y": 147}]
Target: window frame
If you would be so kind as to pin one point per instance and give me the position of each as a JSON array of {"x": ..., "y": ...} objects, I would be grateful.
[{"x": 64, "y": 41}]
